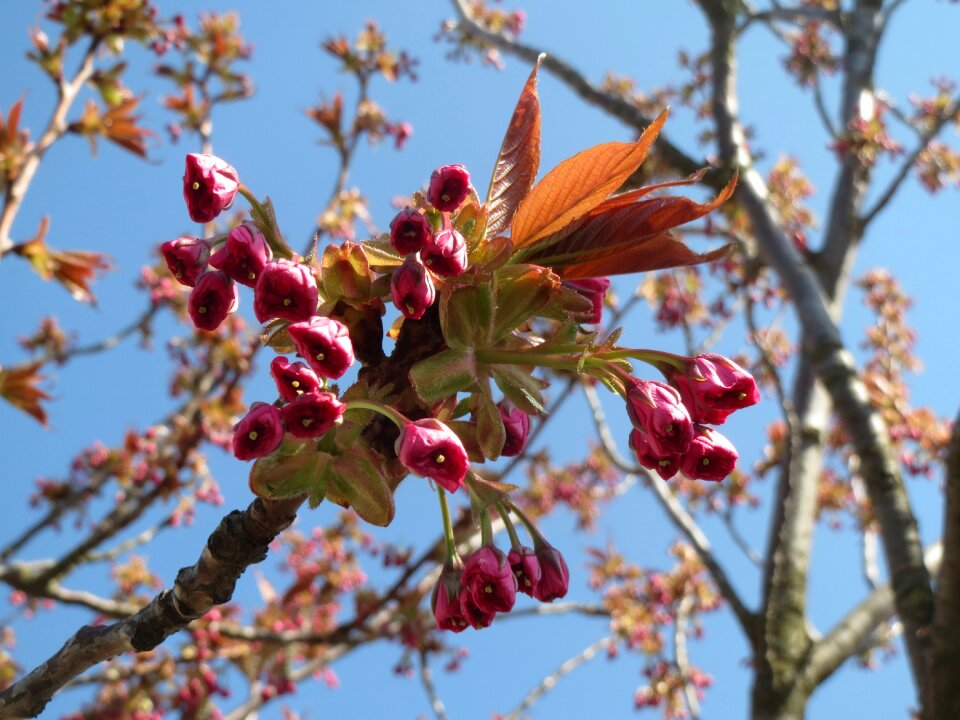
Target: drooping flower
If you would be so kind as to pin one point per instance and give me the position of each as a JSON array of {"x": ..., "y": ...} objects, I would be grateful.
[
  {"x": 449, "y": 186},
  {"x": 594, "y": 290},
  {"x": 445, "y": 253},
  {"x": 312, "y": 414},
  {"x": 666, "y": 466},
  {"x": 409, "y": 230},
  {"x": 293, "y": 379},
  {"x": 517, "y": 425},
  {"x": 244, "y": 255},
  {"x": 209, "y": 186},
  {"x": 259, "y": 433},
  {"x": 213, "y": 298},
  {"x": 186, "y": 258},
  {"x": 473, "y": 614},
  {"x": 713, "y": 387},
  {"x": 489, "y": 580},
  {"x": 412, "y": 288},
  {"x": 430, "y": 449},
  {"x": 526, "y": 568},
  {"x": 286, "y": 290},
  {"x": 445, "y": 601},
  {"x": 656, "y": 408},
  {"x": 554, "y": 575},
  {"x": 325, "y": 344},
  {"x": 711, "y": 456}
]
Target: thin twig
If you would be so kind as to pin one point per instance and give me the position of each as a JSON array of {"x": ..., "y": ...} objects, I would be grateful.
[
  {"x": 426, "y": 678},
  {"x": 683, "y": 660}
]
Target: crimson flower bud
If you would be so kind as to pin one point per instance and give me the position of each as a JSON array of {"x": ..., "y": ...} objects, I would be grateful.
[
  {"x": 666, "y": 466},
  {"x": 325, "y": 344},
  {"x": 209, "y": 186},
  {"x": 409, "y": 230},
  {"x": 312, "y": 414},
  {"x": 244, "y": 255},
  {"x": 445, "y": 253},
  {"x": 285, "y": 290},
  {"x": 713, "y": 386},
  {"x": 594, "y": 290},
  {"x": 293, "y": 379},
  {"x": 211, "y": 300},
  {"x": 554, "y": 576},
  {"x": 526, "y": 568},
  {"x": 186, "y": 257},
  {"x": 710, "y": 456},
  {"x": 655, "y": 408},
  {"x": 517, "y": 425},
  {"x": 259, "y": 433},
  {"x": 445, "y": 601},
  {"x": 488, "y": 580},
  {"x": 431, "y": 449},
  {"x": 412, "y": 288},
  {"x": 449, "y": 186}
]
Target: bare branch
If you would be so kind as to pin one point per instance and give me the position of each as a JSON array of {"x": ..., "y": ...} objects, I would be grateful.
[
  {"x": 426, "y": 678},
  {"x": 683, "y": 661}
]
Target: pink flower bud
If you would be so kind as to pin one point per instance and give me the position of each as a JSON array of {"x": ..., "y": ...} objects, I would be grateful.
[
  {"x": 409, "y": 230},
  {"x": 431, "y": 449},
  {"x": 710, "y": 456},
  {"x": 666, "y": 466},
  {"x": 312, "y": 414},
  {"x": 412, "y": 288},
  {"x": 713, "y": 387},
  {"x": 554, "y": 576},
  {"x": 445, "y": 602},
  {"x": 211, "y": 300},
  {"x": 449, "y": 186},
  {"x": 517, "y": 425},
  {"x": 526, "y": 568},
  {"x": 594, "y": 290},
  {"x": 475, "y": 616},
  {"x": 445, "y": 253},
  {"x": 259, "y": 433},
  {"x": 488, "y": 580},
  {"x": 186, "y": 257},
  {"x": 209, "y": 186},
  {"x": 325, "y": 344},
  {"x": 293, "y": 379},
  {"x": 244, "y": 255},
  {"x": 285, "y": 290},
  {"x": 655, "y": 408}
]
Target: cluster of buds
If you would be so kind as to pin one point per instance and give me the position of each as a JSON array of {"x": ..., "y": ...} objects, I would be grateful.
[
  {"x": 670, "y": 421},
  {"x": 472, "y": 591}
]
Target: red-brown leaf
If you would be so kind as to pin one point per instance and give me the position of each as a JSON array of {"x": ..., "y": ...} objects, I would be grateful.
[
  {"x": 518, "y": 161},
  {"x": 18, "y": 386},
  {"x": 577, "y": 185},
  {"x": 13, "y": 122},
  {"x": 620, "y": 237}
]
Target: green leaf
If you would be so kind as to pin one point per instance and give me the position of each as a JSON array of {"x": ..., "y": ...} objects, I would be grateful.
[
  {"x": 380, "y": 253},
  {"x": 444, "y": 374},
  {"x": 522, "y": 292},
  {"x": 359, "y": 481},
  {"x": 484, "y": 493},
  {"x": 467, "y": 432},
  {"x": 519, "y": 387},
  {"x": 466, "y": 314},
  {"x": 266, "y": 220},
  {"x": 490, "y": 431},
  {"x": 492, "y": 255},
  {"x": 294, "y": 469}
]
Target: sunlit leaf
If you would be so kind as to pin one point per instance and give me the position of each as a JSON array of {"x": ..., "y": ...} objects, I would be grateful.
[{"x": 18, "y": 386}]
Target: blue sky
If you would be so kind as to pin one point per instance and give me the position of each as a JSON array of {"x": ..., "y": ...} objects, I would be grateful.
[{"x": 122, "y": 206}]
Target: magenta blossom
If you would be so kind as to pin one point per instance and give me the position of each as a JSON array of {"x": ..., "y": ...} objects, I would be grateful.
[
  {"x": 430, "y": 449},
  {"x": 259, "y": 433},
  {"x": 244, "y": 255},
  {"x": 449, "y": 187},
  {"x": 445, "y": 602},
  {"x": 526, "y": 568},
  {"x": 211, "y": 300},
  {"x": 412, "y": 288},
  {"x": 554, "y": 576},
  {"x": 409, "y": 230},
  {"x": 666, "y": 466},
  {"x": 209, "y": 186},
  {"x": 656, "y": 408},
  {"x": 488, "y": 580},
  {"x": 293, "y": 379},
  {"x": 710, "y": 456},
  {"x": 445, "y": 253},
  {"x": 312, "y": 414},
  {"x": 594, "y": 290},
  {"x": 517, "y": 425},
  {"x": 325, "y": 344},
  {"x": 186, "y": 257},
  {"x": 713, "y": 386},
  {"x": 286, "y": 290},
  {"x": 474, "y": 615}
]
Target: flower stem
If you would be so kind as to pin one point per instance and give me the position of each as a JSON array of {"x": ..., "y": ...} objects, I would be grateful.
[
  {"x": 399, "y": 420},
  {"x": 508, "y": 523},
  {"x": 528, "y": 523},
  {"x": 486, "y": 528},
  {"x": 449, "y": 542}
]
